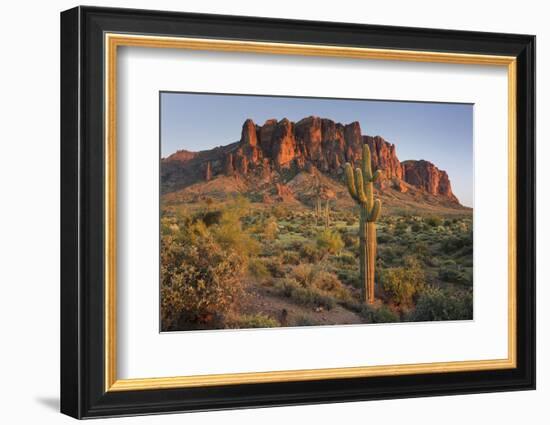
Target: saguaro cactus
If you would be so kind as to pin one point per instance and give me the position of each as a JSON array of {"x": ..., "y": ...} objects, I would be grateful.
[{"x": 361, "y": 188}]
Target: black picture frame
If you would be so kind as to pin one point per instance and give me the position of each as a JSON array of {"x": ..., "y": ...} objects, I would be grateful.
[{"x": 83, "y": 392}]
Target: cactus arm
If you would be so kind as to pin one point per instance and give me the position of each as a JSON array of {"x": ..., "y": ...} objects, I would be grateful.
[
  {"x": 359, "y": 186},
  {"x": 375, "y": 213},
  {"x": 350, "y": 181},
  {"x": 376, "y": 175},
  {"x": 367, "y": 170},
  {"x": 369, "y": 192}
]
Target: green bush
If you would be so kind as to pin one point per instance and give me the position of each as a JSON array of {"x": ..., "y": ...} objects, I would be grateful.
[
  {"x": 349, "y": 277},
  {"x": 401, "y": 284},
  {"x": 453, "y": 244},
  {"x": 257, "y": 321},
  {"x": 313, "y": 298},
  {"x": 291, "y": 257},
  {"x": 304, "y": 321},
  {"x": 384, "y": 237},
  {"x": 209, "y": 217},
  {"x": 351, "y": 240},
  {"x": 274, "y": 267},
  {"x": 310, "y": 297},
  {"x": 279, "y": 211},
  {"x": 304, "y": 274},
  {"x": 416, "y": 227},
  {"x": 433, "y": 221},
  {"x": 388, "y": 254},
  {"x": 228, "y": 228},
  {"x": 346, "y": 259},
  {"x": 432, "y": 261},
  {"x": 326, "y": 281},
  {"x": 257, "y": 268},
  {"x": 310, "y": 253},
  {"x": 380, "y": 314},
  {"x": 271, "y": 229},
  {"x": 455, "y": 275},
  {"x": 421, "y": 249},
  {"x": 200, "y": 280},
  {"x": 437, "y": 304},
  {"x": 400, "y": 228},
  {"x": 309, "y": 276},
  {"x": 330, "y": 241}
]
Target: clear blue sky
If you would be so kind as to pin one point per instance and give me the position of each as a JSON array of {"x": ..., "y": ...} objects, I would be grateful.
[{"x": 438, "y": 132}]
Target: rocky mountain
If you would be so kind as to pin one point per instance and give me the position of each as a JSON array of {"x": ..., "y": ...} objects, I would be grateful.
[{"x": 278, "y": 153}]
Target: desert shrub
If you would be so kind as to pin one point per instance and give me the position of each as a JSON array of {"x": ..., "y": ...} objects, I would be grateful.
[
  {"x": 433, "y": 221},
  {"x": 330, "y": 241},
  {"x": 279, "y": 211},
  {"x": 346, "y": 259},
  {"x": 168, "y": 226},
  {"x": 432, "y": 261},
  {"x": 309, "y": 276},
  {"x": 382, "y": 314},
  {"x": 349, "y": 277},
  {"x": 274, "y": 266},
  {"x": 271, "y": 229},
  {"x": 272, "y": 249},
  {"x": 257, "y": 321},
  {"x": 421, "y": 249},
  {"x": 402, "y": 284},
  {"x": 437, "y": 304},
  {"x": 303, "y": 274},
  {"x": 291, "y": 257},
  {"x": 453, "y": 244},
  {"x": 209, "y": 217},
  {"x": 230, "y": 235},
  {"x": 310, "y": 297},
  {"x": 351, "y": 240},
  {"x": 467, "y": 261},
  {"x": 294, "y": 245},
  {"x": 200, "y": 281},
  {"x": 257, "y": 268},
  {"x": 455, "y": 275},
  {"x": 387, "y": 254},
  {"x": 309, "y": 252},
  {"x": 294, "y": 228},
  {"x": 400, "y": 228},
  {"x": 326, "y": 281},
  {"x": 343, "y": 295},
  {"x": 304, "y": 321},
  {"x": 350, "y": 221},
  {"x": 416, "y": 227},
  {"x": 227, "y": 227},
  {"x": 384, "y": 237}
]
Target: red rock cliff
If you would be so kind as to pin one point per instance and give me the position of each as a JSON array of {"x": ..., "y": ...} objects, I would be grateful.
[{"x": 285, "y": 146}]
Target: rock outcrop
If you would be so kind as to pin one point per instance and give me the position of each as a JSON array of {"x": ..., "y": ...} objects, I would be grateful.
[
  {"x": 427, "y": 176},
  {"x": 285, "y": 147}
]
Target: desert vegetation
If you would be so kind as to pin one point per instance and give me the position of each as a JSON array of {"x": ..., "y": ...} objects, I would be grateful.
[
  {"x": 243, "y": 263},
  {"x": 310, "y": 222}
]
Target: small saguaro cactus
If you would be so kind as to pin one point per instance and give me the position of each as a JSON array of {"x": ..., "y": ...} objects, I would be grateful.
[
  {"x": 327, "y": 214},
  {"x": 361, "y": 188}
]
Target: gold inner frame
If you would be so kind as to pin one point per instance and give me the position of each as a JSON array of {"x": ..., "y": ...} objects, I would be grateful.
[{"x": 113, "y": 41}]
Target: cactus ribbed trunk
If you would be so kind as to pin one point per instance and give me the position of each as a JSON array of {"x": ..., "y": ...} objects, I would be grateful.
[
  {"x": 371, "y": 260},
  {"x": 367, "y": 257},
  {"x": 361, "y": 188}
]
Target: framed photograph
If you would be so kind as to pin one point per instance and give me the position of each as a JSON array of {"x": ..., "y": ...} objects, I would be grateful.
[{"x": 261, "y": 212}]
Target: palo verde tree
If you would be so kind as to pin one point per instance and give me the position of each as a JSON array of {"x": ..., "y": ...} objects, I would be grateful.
[{"x": 361, "y": 188}]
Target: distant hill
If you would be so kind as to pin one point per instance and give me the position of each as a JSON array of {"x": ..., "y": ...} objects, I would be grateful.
[{"x": 297, "y": 162}]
